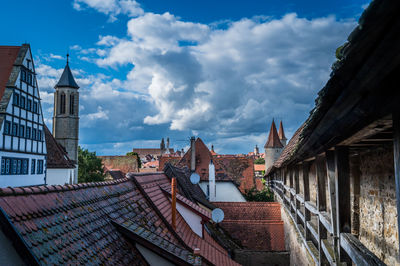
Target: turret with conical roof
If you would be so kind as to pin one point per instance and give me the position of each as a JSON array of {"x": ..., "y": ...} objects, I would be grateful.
[
  {"x": 281, "y": 134},
  {"x": 273, "y": 147},
  {"x": 66, "y": 113}
]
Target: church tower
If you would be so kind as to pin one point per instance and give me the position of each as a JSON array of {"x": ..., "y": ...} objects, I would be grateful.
[
  {"x": 273, "y": 147},
  {"x": 66, "y": 113}
]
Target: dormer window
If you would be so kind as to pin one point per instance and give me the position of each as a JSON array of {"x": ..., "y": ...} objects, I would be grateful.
[
  {"x": 35, "y": 107},
  {"x": 30, "y": 78}
]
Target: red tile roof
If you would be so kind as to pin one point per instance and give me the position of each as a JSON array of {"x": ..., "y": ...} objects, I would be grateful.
[
  {"x": 8, "y": 54},
  {"x": 281, "y": 132},
  {"x": 232, "y": 168},
  {"x": 173, "y": 160},
  {"x": 257, "y": 225},
  {"x": 72, "y": 224},
  {"x": 273, "y": 138},
  {"x": 152, "y": 185},
  {"x": 259, "y": 167},
  {"x": 57, "y": 157}
]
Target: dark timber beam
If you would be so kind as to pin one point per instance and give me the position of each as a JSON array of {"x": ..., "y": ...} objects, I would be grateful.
[
  {"x": 396, "y": 155},
  {"x": 306, "y": 189},
  {"x": 330, "y": 170},
  {"x": 342, "y": 185},
  {"x": 321, "y": 205}
]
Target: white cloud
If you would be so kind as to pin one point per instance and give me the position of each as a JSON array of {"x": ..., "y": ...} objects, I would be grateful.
[
  {"x": 227, "y": 81},
  {"x": 112, "y": 8},
  {"x": 224, "y": 83}
]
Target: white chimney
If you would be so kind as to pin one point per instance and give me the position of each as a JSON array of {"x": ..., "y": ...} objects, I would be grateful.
[
  {"x": 211, "y": 180},
  {"x": 193, "y": 154},
  {"x": 168, "y": 145}
]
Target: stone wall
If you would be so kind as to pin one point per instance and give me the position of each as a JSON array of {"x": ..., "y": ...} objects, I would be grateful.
[
  {"x": 293, "y": 242},
  {"x": 378, "y": 214}
]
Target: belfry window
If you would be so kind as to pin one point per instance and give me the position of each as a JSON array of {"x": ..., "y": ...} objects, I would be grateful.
[
  {"x": 62, "y": 103},
  {"x": 71, "y": 104}
]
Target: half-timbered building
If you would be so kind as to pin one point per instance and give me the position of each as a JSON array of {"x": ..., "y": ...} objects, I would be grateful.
[{"x": 22, "y": 145}]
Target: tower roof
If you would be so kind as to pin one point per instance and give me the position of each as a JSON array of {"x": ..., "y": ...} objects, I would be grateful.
[
  {"x": 281, "y": 132},
  {"x": 273, "y": 138},
  {"x": 8, "y": 55},
  {"x": 67, "y": 80}
]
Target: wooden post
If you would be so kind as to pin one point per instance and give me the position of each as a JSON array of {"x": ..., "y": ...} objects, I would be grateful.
[
  {"x": 355, "y": 182},
  {"x": 330, "y": 169},
  {"x": 306, "y": 189},
  {"x": 321, "y": 205},
  {"x": 173, "y": 204},
  {"x": 342, "y": 185},
  {"x": 396, "y": 155},
  {"x": 296, "y": 189}
]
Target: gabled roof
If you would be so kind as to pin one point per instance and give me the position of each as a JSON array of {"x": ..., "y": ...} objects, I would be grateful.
[
  {"x": 8, "y": 55},
  {"x": 273, "y": 138},
  {"x": 257, "y": 225},
  {"x": 281, "y": 132},
  {"x": 57, "y": 157},
  {"x": 191, "y": 191},
  {"x": 229, "y": 168},
  {"x": 152, "y": 185},
  {"x": 67, "y": 79},
  {"x": 72, "y": 224}
]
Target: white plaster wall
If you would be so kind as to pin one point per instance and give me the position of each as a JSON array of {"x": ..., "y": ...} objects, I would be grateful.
[
  {"x": 152, "y": 258},
  {"x": 59, "y": 176},
  {"x": 23, "y": 180},
  {"x": 8, "y": 255},
  {"x": 226, "y": 191},
  {"x": 191, "y": 218}
]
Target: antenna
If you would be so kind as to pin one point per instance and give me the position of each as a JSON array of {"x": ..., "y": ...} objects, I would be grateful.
[
  {"x": 67, "y": 58},
  {"x": 217, "y": 215}
]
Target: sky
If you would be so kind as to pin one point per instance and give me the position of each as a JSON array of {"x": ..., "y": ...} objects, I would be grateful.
[{"x": 219, "y": 70}]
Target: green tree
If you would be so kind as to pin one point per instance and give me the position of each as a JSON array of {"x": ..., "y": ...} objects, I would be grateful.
[
  {"x": 90, "y": 167},
  {"x": 259, "y": 161},
  {"x": 139, "y": 162},
  {"x": 265, "y": 195}
]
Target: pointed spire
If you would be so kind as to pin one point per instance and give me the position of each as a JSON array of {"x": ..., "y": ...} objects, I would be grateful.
[
  {"x": 273, "y": 138},
  {"x": 67, "y": 79},
  {"x": 281, "y": 132}
]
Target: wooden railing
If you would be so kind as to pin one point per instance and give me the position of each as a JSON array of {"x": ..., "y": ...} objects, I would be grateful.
[{"x": 327, "y": 241}]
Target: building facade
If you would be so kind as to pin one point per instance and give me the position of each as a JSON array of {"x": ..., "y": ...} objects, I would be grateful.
[{"x": 22, "y": 145}]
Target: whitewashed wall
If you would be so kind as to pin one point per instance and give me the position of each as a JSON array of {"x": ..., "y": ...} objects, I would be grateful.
[
  {"x": 191, "y": 218},
  {"x": 152, "y": 258},
  {"x": 59, "y": 176},
  {"x": 226, "y": 191}
]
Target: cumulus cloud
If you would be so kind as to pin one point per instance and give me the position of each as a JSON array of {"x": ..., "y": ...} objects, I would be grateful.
[
  {"x": 228, "y": 81},
  {"x": 224, "y": 83},
  {"x": 112, "y": 8}
]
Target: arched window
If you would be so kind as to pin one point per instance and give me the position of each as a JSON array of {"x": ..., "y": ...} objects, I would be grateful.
[
  {"x": 62, "y": 103},
  {"x": 71, "y": 104}
]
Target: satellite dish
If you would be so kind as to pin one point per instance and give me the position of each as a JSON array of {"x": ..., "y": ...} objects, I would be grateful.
[
  {"x": 217, "y": 215},
  {"x": 194, "y": 178}
]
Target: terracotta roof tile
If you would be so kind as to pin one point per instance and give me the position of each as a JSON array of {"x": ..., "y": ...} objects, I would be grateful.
[
  {"x": 227, "y": 167},
  {"x": 209, "y": 250},
  {"x": 257, "y": 225},
  {"x": 273, "y": 138},
  {"x": 8, "y": 54},
  {"x": 281, "y": 132},
  {"x": 61, "y": 224}
]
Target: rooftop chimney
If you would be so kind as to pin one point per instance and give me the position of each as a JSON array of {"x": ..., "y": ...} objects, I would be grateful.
[
  {"x": 173, "y": 203},
  {"x": 193, "y": 154},
  {"x": 211, "y": 180}
]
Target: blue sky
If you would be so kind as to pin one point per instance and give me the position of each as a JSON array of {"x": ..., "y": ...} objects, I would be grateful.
[{"x": 220, "y": 70}]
